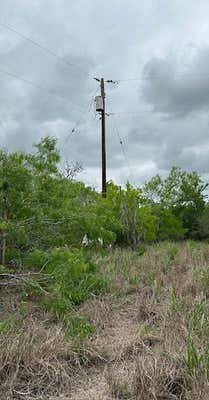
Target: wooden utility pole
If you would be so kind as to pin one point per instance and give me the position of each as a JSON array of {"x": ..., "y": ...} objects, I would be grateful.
[
  {"x": 100, "y": 107},
  {"x": 104, "y": 173}
]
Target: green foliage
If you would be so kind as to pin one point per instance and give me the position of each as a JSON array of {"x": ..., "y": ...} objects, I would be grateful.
[
  {"x": 4, "y": 270},
  {"x": 76, "y": 325},
  {"x": 199, "y": 319},
  {"x": 169, "y": 260},
  {"x": 177, "y": 304},
  {"x": 149, "y": 278},
  {"x": 196, "y": 362},
  {"x": 182, "y": 193},
  {"x": 203, "y": 224},
  {"x": 203, "y": 278},
  {"x": 43, "y": 208},
  {"x": 193, "y": 359},
  {"x": 32, "y": 288},
  {"x": 172, "y": 252},
  {"x": 72, "y": 279},
  {"x": 10, "y": 323},
  {"x": 206, "y": 361},
  {"x": 169, "y": 226},
  {"x": 45, "y": 214},
  {"x": 5, "y": 325},
  {"x": 35, "y": 259},
  {"x": 140, "y": 250},
  {"x": 58, "y": 305}
]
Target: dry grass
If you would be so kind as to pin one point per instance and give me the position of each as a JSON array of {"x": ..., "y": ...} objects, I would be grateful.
[
  {"x": 36, "y": 362},
  {"x": 138, "y": 351},
  {"x": 149, "y": 378}
]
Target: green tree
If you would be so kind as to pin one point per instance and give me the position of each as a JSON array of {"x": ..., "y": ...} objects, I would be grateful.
[{"x": 183, "y": 193}]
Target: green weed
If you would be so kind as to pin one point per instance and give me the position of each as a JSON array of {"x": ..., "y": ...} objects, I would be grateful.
[
  {"x": 177, "y": 304},
  {"x": 5, "y": 326},
  {"x": 203, "y": 278},
  {"x": 56, "y": 304},
  {"x": 149, "y": 278},
  {"x": 192, "y": 358},
  {"x": 170, "y": 257},
  {"x": 199, "y": 319},
  {"x": 76, "y": 325},
  {"x": 196, "y": 362}
]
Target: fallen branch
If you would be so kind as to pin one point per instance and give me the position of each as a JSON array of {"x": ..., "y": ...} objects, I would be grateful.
[
  {"x": 22, "y": 279},
  {"x": 25, "y": 275}
]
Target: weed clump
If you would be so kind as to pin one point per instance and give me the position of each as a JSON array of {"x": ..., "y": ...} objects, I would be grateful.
[{"x": 71, "y": 279}]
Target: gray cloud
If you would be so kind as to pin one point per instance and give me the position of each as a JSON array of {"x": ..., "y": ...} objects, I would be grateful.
[
  {"x": 117, "y": 39},
  {"x": 175, "y": 90}
]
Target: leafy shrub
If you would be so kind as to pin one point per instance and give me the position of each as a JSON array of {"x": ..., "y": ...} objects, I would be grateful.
[
  {"x": 72, "y": 279},
  {"x": 4, "y": 270},
  {"x": 35, "y": 259}
]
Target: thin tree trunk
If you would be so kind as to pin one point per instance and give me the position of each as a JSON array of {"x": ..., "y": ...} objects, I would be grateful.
[
  {"x": 4, "y": 216},
  {"x": 4, "y": 243}
]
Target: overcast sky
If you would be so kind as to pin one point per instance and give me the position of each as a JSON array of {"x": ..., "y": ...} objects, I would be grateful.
[{"x": 157, "y": 50}]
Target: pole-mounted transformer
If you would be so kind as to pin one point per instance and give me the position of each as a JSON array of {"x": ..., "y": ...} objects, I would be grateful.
[{"x": 99, "y": 103}]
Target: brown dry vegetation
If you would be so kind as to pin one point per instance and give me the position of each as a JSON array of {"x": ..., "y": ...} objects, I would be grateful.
[{"x": 150, "y": 340}]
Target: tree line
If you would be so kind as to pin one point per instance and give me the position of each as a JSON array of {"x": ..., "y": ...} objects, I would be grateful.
[{"x": 44, "y": 208}]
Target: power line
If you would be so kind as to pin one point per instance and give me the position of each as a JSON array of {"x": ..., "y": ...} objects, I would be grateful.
[
  {"x": 156, "y": 76},
  {"x": 62, "y": 59},
  {"x": 35, "y": 43},
  {"x": 86, "y": 111},
  {"x": 139, "y": 112},
  {"x": 156, "y": 111},
  {"x": 120, "y": 140},
  {"x": 124, "y": 112},
  {"x": 52, "y": 93},
  {"x": 13, "y": 75},
  {"x": 33, "y": 84}
]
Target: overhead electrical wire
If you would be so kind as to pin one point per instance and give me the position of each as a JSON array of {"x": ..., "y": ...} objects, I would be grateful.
[
  {"x": 74, "y": 130},
  {"x": 124, "y": 112},
  {"x": 120, "y": 140},
  {"x": 37, "y": 44},
  {"x": 51, "y": 92},
  {"x": 33, "y": 84},
  {"x": 185, "y": 75},
  {"x": 70, "y": 64}
]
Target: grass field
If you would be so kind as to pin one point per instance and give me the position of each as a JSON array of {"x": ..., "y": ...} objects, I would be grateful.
[{"x": 145, "y": 338}]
